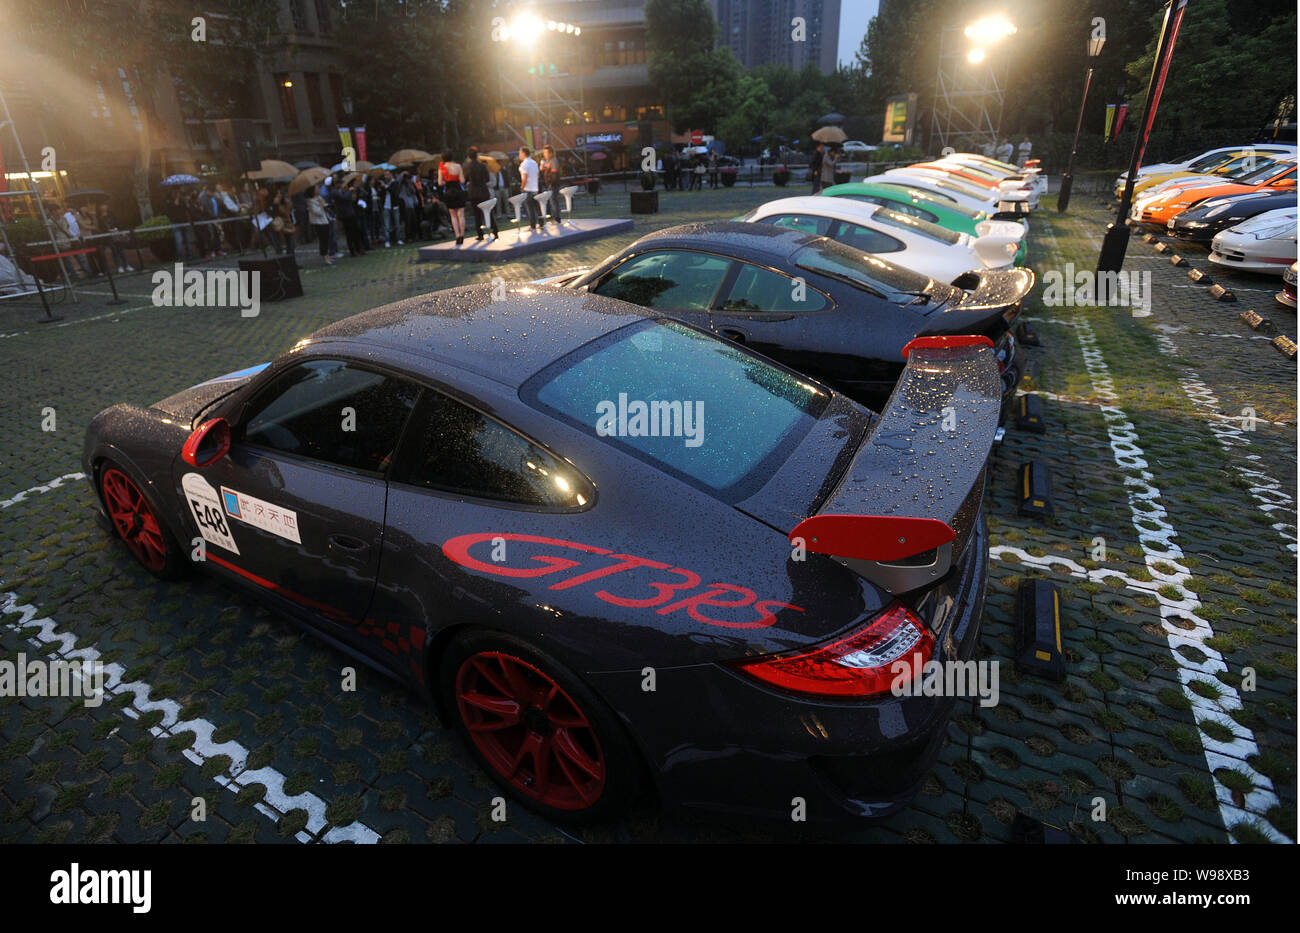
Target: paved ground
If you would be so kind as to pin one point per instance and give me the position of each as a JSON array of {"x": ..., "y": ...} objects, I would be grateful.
[{"x": 217, "y": 698}]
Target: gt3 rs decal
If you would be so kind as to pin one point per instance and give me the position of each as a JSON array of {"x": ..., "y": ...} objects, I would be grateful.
[
  {"x": 669, "y": 596},
  {"x": 261, "y": 514},
  {"x": 206, "y": 509}
]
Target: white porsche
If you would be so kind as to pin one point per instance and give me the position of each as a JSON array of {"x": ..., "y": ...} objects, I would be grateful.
[
  {"x": 916, "y": 244},
  {"x": 1264, "y": 243}
]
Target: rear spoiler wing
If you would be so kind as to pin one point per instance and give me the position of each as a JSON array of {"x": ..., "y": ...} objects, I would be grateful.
[{"x": 892, "y": 518}]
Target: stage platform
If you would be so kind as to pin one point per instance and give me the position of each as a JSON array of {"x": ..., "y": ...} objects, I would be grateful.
[{"x": 514, "y": 244}]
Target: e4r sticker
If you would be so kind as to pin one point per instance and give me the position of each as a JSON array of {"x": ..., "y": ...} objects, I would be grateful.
[{"x": 206, "y": 509}]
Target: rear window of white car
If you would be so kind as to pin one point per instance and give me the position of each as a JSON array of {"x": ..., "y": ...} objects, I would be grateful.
[{"x": 893, "y": 218}]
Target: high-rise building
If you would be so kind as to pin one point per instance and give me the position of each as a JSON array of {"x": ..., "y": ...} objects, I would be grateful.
[{"x": 780, "y": 32}]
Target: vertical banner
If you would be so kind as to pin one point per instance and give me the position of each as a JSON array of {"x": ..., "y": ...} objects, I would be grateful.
[
  {"x": 361, "y": 143},
  {"x": 1119, "y": 119},
  {"x": 1110, "y": 122},
  {"x": 345, "y": 140},
  {"x": 528, "y": 137},
  {"x": 4, "y": 178}
]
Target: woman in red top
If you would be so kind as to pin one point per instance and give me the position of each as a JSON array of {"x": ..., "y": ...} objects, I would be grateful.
[{"x": 452, "y": 177}]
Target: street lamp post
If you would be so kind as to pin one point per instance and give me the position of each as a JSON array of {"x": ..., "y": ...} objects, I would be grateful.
[{"x": 1067, "y": 180}]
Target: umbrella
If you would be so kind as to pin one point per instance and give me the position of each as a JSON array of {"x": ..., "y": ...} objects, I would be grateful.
[
  {"x": 89, "y": 194},
  {"x": 305, "y": 164},
  {"x": 830, "y": 134},
  {"x": 173, "y": 181},
  {"x": 831, "y": 119},
  {"x": 402, "y": 156},
  {"x": 497, "y": 154},
  {"x": 493, "y": 164},
  {"x": 363, "y": 166},
  {"x": 428, "y": 166},
  {"x": 274, "y": 168},
  {"x": 306, "y": 178},
  {"x": 598, "y": 155},
  {"x": 351, "y": 178}
]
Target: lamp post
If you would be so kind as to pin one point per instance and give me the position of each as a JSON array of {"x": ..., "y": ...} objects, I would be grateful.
[{"x": 1067, "y": 180}]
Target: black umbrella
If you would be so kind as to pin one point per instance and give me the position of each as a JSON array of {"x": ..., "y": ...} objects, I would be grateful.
[
  {"x": 831, "y": 119},
  {"x": 88, "y": 194},
  {"x": 305, "y": 164}
]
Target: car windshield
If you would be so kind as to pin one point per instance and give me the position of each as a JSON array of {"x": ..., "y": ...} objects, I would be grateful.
[
  {"x": 1265, "y": 173},
  {"x": 692, "y": 405},
  {"x": 1211, "y": 162},
  {"x": 870, "y": 273},
  {"x": 923, "y": 227}
]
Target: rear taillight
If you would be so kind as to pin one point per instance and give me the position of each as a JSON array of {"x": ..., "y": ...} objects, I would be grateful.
[{"x": 858, "y": 665}]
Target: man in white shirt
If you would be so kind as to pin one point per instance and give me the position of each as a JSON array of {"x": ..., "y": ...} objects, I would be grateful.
[
  {"x": 529, "y": 178},
  {"x": 1023, "y": 151},
  {"x": 73, "y": 228}
]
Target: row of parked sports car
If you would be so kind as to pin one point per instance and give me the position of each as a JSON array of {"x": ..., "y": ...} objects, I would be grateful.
[
  {"x": 630, "y": 529},
  {"x": 1240, "y": 200}
]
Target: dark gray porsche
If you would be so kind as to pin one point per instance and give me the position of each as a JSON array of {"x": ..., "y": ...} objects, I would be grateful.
[
  {"x": 619, "y": 554},
  {"x": 838, "y": 313}
]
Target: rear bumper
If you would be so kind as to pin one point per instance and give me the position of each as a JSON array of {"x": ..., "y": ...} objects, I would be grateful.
[{"x": 714, "y": 739}]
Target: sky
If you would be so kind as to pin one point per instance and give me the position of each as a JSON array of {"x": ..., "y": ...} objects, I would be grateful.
[{"x": 854, "y": 16}]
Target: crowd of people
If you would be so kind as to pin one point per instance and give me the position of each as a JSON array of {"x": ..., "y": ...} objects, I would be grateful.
[{"x": 683, "y": 171}]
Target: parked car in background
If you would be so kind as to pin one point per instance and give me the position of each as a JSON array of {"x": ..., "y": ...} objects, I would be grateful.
[
  {"x": 856, "y": 147},
  {"x": 882, "y": 231},
  {"x": 1287, "y": 295},
  {"x": 1200, "y": 223},
  {"x": 1202, "y": 161},
  {"x": 820, "y": 307},
  {"x": 933, "y": 208},
  {"x": 1160, "y": 209},
  {"x": 1265, "y": 243}
]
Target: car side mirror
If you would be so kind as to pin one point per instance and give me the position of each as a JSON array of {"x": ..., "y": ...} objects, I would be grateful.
[{"x": 208, "y": 444}]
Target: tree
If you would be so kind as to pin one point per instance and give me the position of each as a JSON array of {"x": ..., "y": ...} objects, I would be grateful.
[{"x": 700, "y": 83}]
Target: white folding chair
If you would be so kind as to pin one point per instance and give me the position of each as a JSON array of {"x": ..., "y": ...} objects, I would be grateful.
[
  {"x": 542, "y": 198},
  {"x": 517, "y": 202},
  {"x": 485, "y": 208},
  {"x": 568, "y": 193}
]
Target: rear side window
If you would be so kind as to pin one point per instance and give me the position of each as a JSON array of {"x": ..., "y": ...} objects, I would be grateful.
[
  {"x": 758, "y": 289},
  {"x": 804, "y": 223},
  {"x": 331, "y": 411},
  {"x": 866, "y": 239},
  {"x": 459, "y": 450},
  {"x": 670, "y": 279}
]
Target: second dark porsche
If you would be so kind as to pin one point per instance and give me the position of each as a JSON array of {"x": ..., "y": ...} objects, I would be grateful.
[{"x": 841, "y": 315}]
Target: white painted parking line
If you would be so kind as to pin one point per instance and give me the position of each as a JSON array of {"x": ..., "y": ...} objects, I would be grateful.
[
  {"x": 276, "y": 802},
  {"x": 1157, "y": 538},
  {"x": 37, "y": 490}
]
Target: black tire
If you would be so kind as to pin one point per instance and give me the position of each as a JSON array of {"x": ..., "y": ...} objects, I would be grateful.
[
  {"x": 174, "y": 563},
  {"x": 622, "y": 766}
]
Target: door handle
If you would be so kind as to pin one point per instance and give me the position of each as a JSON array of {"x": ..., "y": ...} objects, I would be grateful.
[
  {"x": 348, "y": 543},
  {"x": 733, "y": 335}
]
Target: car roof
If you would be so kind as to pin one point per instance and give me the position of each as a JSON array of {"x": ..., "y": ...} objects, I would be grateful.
[
  {"x": 735, "y": 238},
  {"x": 505, "y": 338},
  {"x": 839, "y": 208}
]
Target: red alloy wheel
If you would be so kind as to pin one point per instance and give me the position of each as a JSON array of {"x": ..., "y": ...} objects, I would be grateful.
[
  {"x": 134, "y": 520},
  {"x": 530, "y": 731}
]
